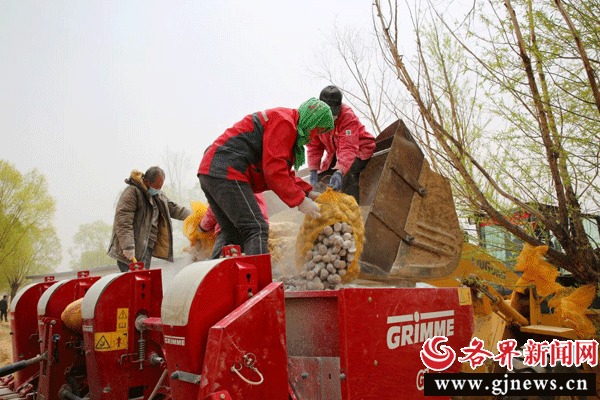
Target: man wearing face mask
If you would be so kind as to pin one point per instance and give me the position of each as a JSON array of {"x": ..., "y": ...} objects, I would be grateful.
[
  {"x": 142, "y": 226},
  {"x": 349, "y": 147}
]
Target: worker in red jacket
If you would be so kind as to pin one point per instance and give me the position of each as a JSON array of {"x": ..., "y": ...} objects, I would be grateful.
[
  {"x": 349, "y": 147},
  {"x": 255, "y": 155},
  {"x": 209, "y": 224}
]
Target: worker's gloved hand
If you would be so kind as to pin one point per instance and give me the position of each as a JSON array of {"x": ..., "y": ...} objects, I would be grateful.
[
  {"x": 336, "y": 180},
  {"x": 129, "y": 254},
  {"x": 309, "y": 208},
  {"x": 313, "y": 195},
  {"x": 314, "y": 178}
]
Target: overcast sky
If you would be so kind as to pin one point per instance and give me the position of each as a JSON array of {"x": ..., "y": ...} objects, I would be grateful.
[{"x": 90, "y": 90}]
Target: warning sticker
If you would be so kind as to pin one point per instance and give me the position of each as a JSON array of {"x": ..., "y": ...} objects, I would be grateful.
[
  {"x": 112, "y": 341},
  {"x": 122, "y": 319},
  {"x": 464, "y": 296},
  {"x": 102, "y": 343}
]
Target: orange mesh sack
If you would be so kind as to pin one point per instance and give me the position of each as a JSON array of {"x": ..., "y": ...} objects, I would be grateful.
[
  {"x": 201, "y": 243},
  {"x": 536, "y": 271},
  {"x": 328, "y": 248},
  {"x": 571, "y": 310},
  {"x": 71, "y": 316}
]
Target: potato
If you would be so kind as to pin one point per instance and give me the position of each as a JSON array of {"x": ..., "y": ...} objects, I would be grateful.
[{"x": 333, "y": 242}]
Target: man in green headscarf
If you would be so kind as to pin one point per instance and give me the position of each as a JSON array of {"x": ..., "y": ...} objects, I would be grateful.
[
  {"x": 257, "y": 154},
  {"x": 315, "y": 118}
]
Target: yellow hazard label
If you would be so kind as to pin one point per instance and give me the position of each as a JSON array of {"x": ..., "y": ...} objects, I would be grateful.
[
  {"x": 112, "y": 341},
  {"x": 122, "y": 319},
  {"x": 464, "y": 297}
]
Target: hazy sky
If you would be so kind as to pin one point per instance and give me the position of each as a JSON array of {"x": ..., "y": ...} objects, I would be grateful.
[{"x": 90, "y": 90}]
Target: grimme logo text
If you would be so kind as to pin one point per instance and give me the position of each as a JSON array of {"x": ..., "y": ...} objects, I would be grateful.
[{"x": 417, "y": 328}]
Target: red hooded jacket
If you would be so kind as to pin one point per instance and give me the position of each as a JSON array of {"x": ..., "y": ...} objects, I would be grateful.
[
  {"x": 346, "y": 141},
  {"x": 259, "y": 150}
]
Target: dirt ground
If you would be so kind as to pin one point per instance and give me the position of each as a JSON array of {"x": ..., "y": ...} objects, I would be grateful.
[{"x": 5, "y": 344}]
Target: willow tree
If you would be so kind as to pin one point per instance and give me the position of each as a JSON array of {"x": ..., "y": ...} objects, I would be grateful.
[
  {"x": 350, "y": 59},
  {"x": 530, "y": 67},
  {"x": 90, "y": 246},
  {"x": 28, "y": 242}
]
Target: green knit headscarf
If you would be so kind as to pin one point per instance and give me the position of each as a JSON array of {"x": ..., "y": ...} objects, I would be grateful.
[{"x": 314, "y": 113}]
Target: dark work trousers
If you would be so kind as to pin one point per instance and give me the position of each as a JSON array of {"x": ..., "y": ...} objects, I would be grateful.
[
  {"x": 4, "y": 315},
  {"x": 350, "y": 181},
  {"x": 218, "y": 246},
  {"x": 146, "y": 260},
  {"x": 238, "y": 214}
]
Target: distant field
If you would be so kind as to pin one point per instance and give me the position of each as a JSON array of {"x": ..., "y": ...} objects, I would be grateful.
[{"x": 5, "y": 344}]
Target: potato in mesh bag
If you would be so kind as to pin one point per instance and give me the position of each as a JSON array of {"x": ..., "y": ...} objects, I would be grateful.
[
  {"x": 71, "y": 316},
  {"x": 328, "y": 248}
]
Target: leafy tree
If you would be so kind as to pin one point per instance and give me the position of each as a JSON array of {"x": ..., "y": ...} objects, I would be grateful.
[
  {"x": 91, "y": 244},
  {"x": 28, "y": 242},
  {"x": 508, "y": 102}
]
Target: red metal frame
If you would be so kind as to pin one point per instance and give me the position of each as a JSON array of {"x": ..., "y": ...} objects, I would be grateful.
[
  {"x": 24, "y": 327},
  {"x": 245, "y": 338},
  {"x": 64, "y": 347},
  {"x": 226, "y": 286},
  {"x": 358, "y": 343},
  {"x": 251, "y": 339},
  {"x": 112, "y": 341}
]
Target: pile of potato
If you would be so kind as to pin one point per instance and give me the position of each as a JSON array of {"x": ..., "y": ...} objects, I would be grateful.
[
  {"x": 281, "y": 244},
  {"x": 327, "y": 262}
]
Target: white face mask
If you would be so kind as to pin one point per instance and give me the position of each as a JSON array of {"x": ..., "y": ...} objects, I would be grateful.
[
  {"x": 153, "y": 192},
  {"x": 334, "y": 118}
]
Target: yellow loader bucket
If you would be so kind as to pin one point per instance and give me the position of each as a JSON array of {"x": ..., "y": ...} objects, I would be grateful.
[{"x": 411, "y": 227}]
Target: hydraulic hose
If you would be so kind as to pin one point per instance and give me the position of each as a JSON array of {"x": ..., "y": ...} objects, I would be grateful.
[{"x": 18, "y": 366}]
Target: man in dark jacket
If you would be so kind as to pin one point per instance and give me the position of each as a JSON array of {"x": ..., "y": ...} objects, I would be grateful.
[
  {"x": 4, "y": 308},
  {"x": 255, "y": 155},
  {"x": 349, "y": 147},
  {"x": 142, "y": 226}
]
